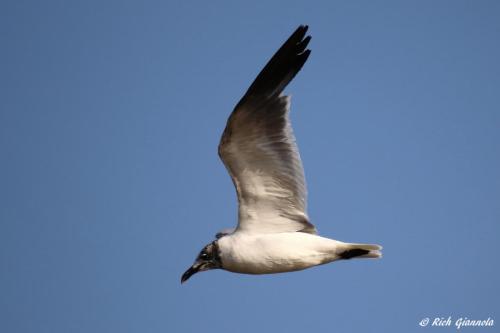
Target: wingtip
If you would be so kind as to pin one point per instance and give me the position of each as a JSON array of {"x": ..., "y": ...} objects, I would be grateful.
[
  {"x": 303, "y": 44},
  {"x": 298, "y": 35},
  {"x": 282, "y": 67},
  {"x": 304, "y": 55}
]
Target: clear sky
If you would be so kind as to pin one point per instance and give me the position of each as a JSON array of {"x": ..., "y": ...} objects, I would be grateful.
[{"x": 110, "y": 183}]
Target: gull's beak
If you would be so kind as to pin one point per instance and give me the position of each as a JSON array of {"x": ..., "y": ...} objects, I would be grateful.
[{"x": 191, "y": 271}]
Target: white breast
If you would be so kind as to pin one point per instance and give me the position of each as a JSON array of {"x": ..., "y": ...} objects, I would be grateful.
[{"x": 274, "y": 253}]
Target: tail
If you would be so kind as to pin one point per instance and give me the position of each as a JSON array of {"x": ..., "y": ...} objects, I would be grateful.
[{"x": 351, "y": 250}]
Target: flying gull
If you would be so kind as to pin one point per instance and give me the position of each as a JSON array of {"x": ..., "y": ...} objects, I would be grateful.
[{"x": 258, "y": 148}]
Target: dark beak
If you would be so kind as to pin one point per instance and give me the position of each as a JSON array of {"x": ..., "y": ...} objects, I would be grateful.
[{"x": 191, "y": 271}]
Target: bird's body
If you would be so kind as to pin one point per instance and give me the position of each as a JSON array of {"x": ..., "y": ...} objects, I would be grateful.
[
  {"x": 258, "y": 148},
  {"x": 276, "y": 252}
]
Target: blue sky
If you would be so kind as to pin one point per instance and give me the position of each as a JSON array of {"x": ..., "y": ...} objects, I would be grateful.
[{"x": 110, "y": 184}]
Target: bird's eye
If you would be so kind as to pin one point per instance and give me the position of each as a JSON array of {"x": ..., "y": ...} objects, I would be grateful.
[{"x": 204, "y": 255}]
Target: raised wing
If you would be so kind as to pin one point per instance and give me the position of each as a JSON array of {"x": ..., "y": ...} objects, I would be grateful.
[{"x": 258, "y": 148}]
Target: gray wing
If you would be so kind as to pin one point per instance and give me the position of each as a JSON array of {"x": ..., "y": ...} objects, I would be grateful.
[{"x": 259, "y": 151}]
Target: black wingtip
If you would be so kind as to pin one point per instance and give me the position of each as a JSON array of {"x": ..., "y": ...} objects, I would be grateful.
[
  {"x": 283, "y": 66},
  {"x": 301, "y": 31},
  {"x": 303, "y": 44},
  {"x": 297, "y": 38},
  {"x": 303, "y": 27}
]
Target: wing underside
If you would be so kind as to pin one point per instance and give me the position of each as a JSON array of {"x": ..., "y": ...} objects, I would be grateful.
[{"x": 259, "y": 150}]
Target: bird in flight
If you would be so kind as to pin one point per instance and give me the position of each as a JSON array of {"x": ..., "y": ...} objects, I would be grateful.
[{"x": 258, "y": 148}]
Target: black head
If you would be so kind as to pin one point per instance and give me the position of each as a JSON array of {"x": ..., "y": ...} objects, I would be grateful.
[{"x": 208, "y": 258}]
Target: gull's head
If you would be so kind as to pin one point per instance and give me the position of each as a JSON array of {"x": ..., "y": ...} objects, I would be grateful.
[{"x": 208, "y": 258}]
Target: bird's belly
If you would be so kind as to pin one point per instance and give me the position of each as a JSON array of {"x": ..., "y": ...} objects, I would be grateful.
[
  {"x": 269, "y": 265},
  {"x": 277, "y": 253}
]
